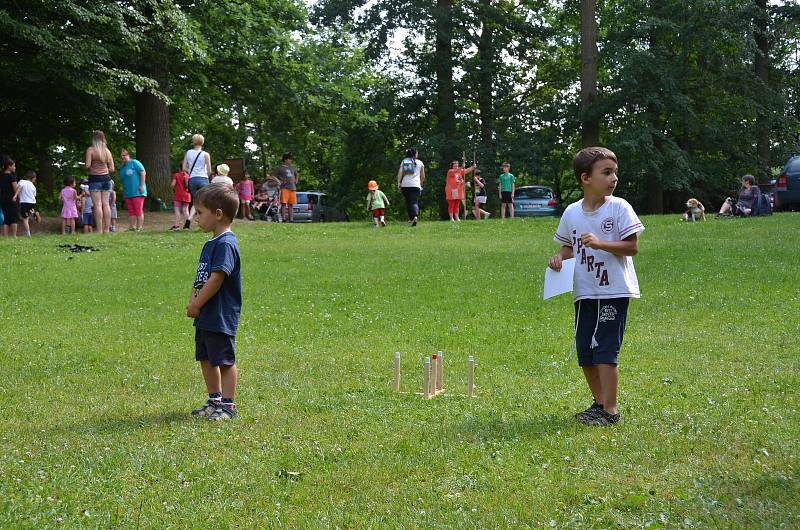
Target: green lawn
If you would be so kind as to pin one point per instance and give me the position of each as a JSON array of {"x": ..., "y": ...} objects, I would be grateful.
[{"x": 96, "y": 429}]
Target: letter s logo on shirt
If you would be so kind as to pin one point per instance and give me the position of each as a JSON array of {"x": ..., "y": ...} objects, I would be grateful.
[{"x": 607, "y": 225}]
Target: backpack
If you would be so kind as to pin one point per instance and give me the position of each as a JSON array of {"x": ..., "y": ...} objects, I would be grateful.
[
  {"x": 409, "y": 167},
  {"x": 762, "y": 205}
]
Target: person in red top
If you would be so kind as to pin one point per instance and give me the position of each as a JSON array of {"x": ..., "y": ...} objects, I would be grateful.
[
  {"x": 454, "y": 189},
  {"x": 245, "y": 189},
  {"x": 181, "y": 198}
]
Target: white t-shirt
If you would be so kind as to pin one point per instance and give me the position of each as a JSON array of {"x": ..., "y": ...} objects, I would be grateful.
[
  {"x": 28, "y": 192},
  {"x": 598, "y": 273},
  {"x": 223, "y": 179},
  {"x": 199, "y": 169},
  {"x": 411, "y": 181}
]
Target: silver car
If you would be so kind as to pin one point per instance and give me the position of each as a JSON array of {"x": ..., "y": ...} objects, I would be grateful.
[
  {"x": 312, "y": 206},
  {"x": 530, "y": 201}
]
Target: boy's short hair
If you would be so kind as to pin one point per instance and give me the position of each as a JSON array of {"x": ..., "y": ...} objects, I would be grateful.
[
  {"x": 197, "y": 139},
  {"x": 219, "y": 195},
  {"x": 750, "y": 179},
  {"x": 587, "y": 157},
  {"x": 30, "y": 174},
  {"x": 287, "y": 156}
]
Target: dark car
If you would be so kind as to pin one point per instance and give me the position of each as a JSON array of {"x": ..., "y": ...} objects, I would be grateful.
[
  {"x": 787, "y": 186},
  {"x": 313, "y": 206},
  {"x": 530, "y": 201}
]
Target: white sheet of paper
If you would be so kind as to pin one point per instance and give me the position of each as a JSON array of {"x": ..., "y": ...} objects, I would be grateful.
[{"x": 556, "y": 283}]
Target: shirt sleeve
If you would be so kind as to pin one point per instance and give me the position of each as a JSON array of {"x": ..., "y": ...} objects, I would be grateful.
[
  {"x": 627, "y": 221},
  {"x": 562, "y": 235},
  {"x": 223, "y": 258},
  {"x": 139, "y": 167}
]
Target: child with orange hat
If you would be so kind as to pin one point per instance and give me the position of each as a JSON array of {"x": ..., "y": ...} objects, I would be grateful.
[{"x": 377, "y": 203}]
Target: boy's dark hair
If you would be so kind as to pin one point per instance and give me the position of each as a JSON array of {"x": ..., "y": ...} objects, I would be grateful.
[
  {"x": 30, "y": 174},
  {"x": 411, "y": 153},
  {"x": 6, "y": 161},
  {"x": 750, "y": 179},
  {"x": 219, "y": 195},
  {"x": 477, "y": 171},
  {"x": 69, "y": 180},
  {"x": 287, "y": 156},
  {"x": 587, "y": 157}
]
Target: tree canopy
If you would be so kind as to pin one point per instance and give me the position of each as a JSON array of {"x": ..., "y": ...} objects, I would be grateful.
[{"x": 691, "y": 95}]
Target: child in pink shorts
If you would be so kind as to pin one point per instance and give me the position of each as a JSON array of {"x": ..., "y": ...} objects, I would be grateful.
[
  {"x": 69, "y": 210},
  {"x": 245, "y": 189}
]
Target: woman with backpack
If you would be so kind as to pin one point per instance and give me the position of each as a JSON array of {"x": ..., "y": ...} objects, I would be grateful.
[{"x": 410, "y": 179}]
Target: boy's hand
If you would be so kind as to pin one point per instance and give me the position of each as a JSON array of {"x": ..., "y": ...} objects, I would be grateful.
[
  {"x": 555, "y": 262},
  {"x": 590, "y": 240},
  {"x": 192, "y": 311}
]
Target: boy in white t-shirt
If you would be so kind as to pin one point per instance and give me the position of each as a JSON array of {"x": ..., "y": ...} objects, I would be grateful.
[
  {"x": 26, "y": 190},
  {"x": 601, "y": 232}
]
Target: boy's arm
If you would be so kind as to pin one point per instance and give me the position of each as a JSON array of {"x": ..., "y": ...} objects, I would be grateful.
[
  {"x": 565, "y": 252},
  {"x": 211, "y": 287},
  {"x": 142, "y": 178},
  {"x": 626, "y": 247}
]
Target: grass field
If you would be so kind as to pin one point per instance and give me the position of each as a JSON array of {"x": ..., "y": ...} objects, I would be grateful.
[{"x": 96, "y": 430}]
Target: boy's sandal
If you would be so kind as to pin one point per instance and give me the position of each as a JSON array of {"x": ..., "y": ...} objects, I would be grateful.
[
  {"x": 223, "y": 413},
  {"x": 206, "y": 410},
  {"x": 601, "y": 418},
  {"x": 591, "y": 411}
]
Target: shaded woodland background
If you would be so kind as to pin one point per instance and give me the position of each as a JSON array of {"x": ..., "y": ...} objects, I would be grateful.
[{"x": 690, "y": 95}]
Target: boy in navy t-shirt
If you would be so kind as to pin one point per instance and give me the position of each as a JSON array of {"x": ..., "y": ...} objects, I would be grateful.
[{"x": 215, "y": 302}]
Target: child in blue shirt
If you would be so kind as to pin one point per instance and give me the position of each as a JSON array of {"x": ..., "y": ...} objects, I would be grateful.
[{"x": 215, "y": 301}]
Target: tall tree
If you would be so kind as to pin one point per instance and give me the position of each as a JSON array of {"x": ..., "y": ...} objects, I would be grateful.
[
  {"x": 761, "y": 64},
  {"x": 590, "y": 130}
]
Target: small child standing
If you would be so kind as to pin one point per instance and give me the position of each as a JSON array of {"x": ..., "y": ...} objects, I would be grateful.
[
  {"x": 180, "y": 198},
  {"x": 377, "y": 203},
  {"x": 215, "y": 301},
  {"x": 507, "y": 189},
  {"x": 601, "y": 232},
  {"x": 86, "y": 209},
  {"x": 69, "y": 210},
  {"x": 245, "y": 189},
  {"x": 112, "y": 203},
  {"x": 27, "y": 199}
]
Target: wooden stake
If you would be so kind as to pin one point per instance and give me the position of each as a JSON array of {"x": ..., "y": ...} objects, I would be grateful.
[
  {"x": 434, "y": 371},
  {"x": 470, "y": 376},
  {"x": 397, "y": 371},
  {"x": 426, "y": 378},
  {"x": 440, "y": 373}
]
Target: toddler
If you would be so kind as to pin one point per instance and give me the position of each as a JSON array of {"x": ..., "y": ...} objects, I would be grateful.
[
  {"x": 69, "y": 210},
  {"x": 377, "y": 203}
]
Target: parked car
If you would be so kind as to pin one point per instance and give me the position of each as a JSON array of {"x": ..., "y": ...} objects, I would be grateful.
[
  {"x": 787, "y": 185},
  {"x": 535, "y": 201},
  {"x": 312, "y": 206}
]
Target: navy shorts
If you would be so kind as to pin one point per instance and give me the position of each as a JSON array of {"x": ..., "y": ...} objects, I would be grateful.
[
  {"x": 217, "y": 348},
  {"x": 599, "y": 328},
  {"x": 506, "y": 198}
]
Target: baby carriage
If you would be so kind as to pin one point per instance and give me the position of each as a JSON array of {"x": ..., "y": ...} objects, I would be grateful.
[{"x": 268, "y": 205}]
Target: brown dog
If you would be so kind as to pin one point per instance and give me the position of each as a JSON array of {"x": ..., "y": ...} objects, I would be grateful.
[{"x": 695, "y": 211}]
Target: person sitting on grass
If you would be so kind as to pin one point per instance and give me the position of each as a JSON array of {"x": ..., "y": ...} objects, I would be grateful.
[
  {"x": 601, "y": 232},
  {"x": 748, "y": 198},
  {"x": 215, "y": 302}
]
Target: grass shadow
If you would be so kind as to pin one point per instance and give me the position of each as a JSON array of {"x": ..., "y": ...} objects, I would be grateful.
[
  {"x": 522, "y": 428},
  {"x": 126, "y": 424}
]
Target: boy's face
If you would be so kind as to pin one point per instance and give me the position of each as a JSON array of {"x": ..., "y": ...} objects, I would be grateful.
[
  {"x": 602, "y": 179},
  {"x": 208, "y": 219},
  {"x": 506, "y": 168}
]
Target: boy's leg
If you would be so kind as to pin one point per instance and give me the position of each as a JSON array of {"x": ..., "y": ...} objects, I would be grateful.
[
  {"x": 503, "y": 211},
  {"x": 212, "y": 377},
  {"x": 229, "y": 376},
  {"x": 511, "y": 209},
  {"x": 608, "y": 376},
  {"x": 592, "y": 375}
]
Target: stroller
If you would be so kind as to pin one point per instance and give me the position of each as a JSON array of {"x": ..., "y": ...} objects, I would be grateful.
[{"x": 268, "y": 205}]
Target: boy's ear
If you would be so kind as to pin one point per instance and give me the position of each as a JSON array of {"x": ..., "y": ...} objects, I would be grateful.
[
  {"x": 584, "y": 176},
  {"x": 218, "y": 213}
]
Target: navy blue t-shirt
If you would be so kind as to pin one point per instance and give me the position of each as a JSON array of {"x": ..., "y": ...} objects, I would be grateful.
[{"x": 221, "y": 313}]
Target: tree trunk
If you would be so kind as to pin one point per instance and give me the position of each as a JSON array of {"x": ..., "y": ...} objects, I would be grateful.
[
  {"x": 487, "y": 56},
  {"x": 153, "y": 140},
  {"x": 590, "y": 131},
  {"x": 763, "y": 173},
  {"x": 445, "y": 99}
]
